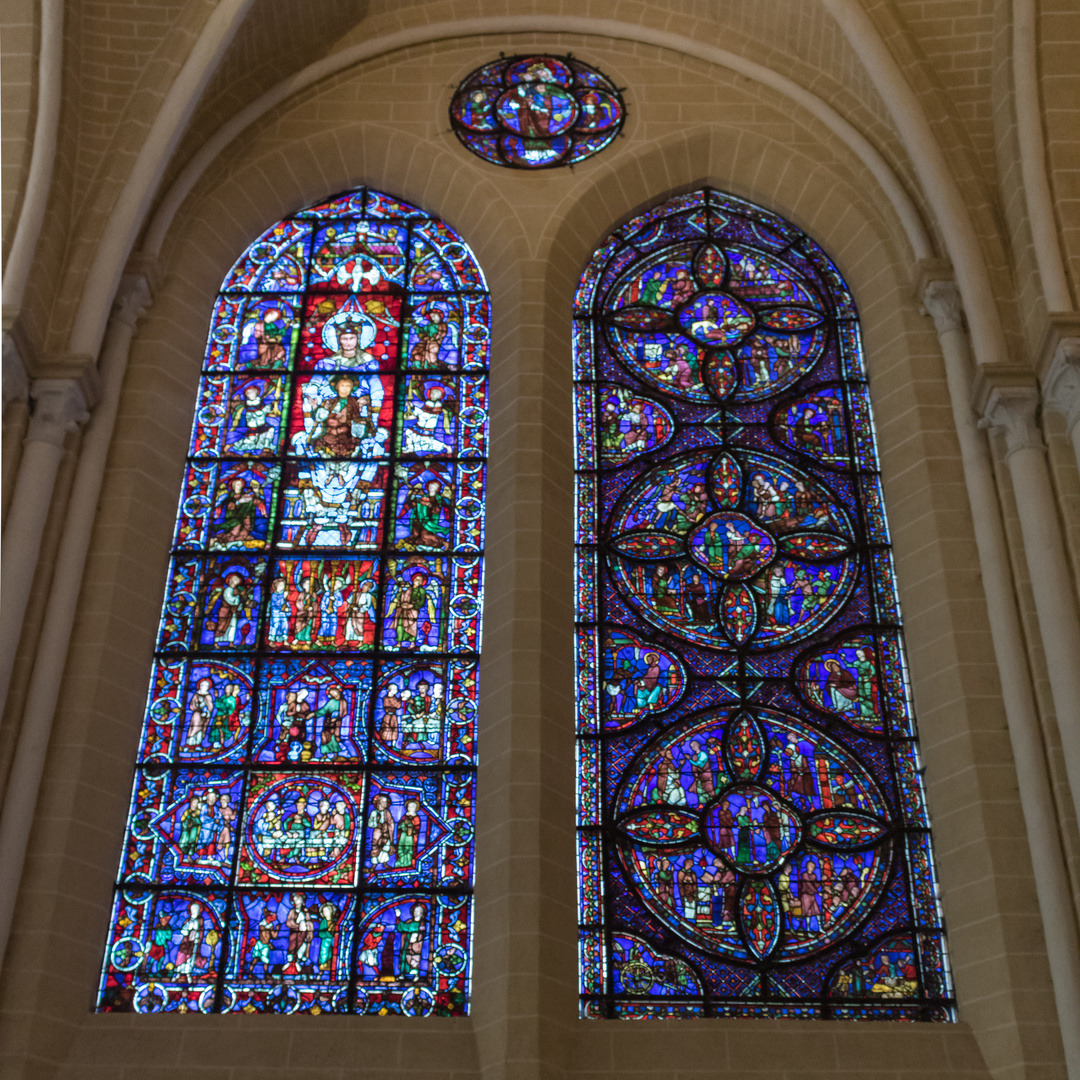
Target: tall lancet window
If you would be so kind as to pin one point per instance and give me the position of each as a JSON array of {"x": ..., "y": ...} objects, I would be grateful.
[
  {"x": 753, "y": 839},
  {"x": 301, "y": 828}
]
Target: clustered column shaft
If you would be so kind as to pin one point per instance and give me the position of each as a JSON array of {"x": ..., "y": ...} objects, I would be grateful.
[
  {"x": 941, "y": 299},
  {"x": 59, "y": 408},
  {"x": 1013, "y": 411},
  {"x": 20, "y": 797}
]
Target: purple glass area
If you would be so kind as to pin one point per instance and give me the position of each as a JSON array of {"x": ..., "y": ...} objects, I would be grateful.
[
  {"x": 301, "y": 829},
  {"x": 752, "y": 833},
  {"x": 537, "y": 112}
]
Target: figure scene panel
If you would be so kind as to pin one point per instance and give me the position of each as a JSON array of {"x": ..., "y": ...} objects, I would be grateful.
[
  {"x": 420, "y": 829},
  {"x": 289, "y": 950},
  {"x": 425, "y": 712}
]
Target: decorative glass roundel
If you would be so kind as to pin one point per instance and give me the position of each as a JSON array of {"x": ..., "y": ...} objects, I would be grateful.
[
  {"x": 752, "y": 836},
  {"x": 743, "y": 821},
  {"x": 537, "y": 112}
]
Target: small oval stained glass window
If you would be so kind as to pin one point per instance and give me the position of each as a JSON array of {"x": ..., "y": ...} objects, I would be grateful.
[{"x": 537, "y": 112}]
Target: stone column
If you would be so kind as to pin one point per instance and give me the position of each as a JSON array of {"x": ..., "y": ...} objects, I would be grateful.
[
  {"x": 20, "y": 798},
  {"x": 59, "y": 407},
  {"x": 942, "y": 300},
  {"x": 1061, "y": 387},
  {"x": 1012, "y": 409},
  {"x": 16, "y": 414}
]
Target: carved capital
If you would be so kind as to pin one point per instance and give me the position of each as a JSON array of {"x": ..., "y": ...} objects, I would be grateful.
[
  {"x": 1014, "y": 410},
  {"x": 59, "y": 407},
  {"x": 942, "y": 300},
  {"x": 132, "y": 299},
  {"x": 1061, "y": 387},
  {"x": 1059, "y": 326}
]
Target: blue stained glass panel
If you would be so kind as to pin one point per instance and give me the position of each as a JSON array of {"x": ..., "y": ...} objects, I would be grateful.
[
  {"x": 536, "y": 112},
  {"x": 301, "y": 831},
  {"x": 753, "y": 836}
]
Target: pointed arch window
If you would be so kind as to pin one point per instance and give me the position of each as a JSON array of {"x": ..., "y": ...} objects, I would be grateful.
[
  {"x": 301, "y": 829},
  {"x": 753, "y": 837}
]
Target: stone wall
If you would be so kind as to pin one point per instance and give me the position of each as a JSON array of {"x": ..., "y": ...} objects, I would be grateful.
[{"x": 384, "y": 123}]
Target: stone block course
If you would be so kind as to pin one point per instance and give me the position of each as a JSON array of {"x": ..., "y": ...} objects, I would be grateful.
[{"x": 384, "y": 123}]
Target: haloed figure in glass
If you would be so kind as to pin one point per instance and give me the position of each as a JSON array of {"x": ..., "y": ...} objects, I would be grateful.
[
  {"x": 301, "y": 827},
  {"x": 762, "y": 846},
  {"x": 537, "y": 112}
]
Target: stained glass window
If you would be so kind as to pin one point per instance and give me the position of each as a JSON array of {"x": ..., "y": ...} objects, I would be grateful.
[
  {"x": 537, "y": 112},
  {"x": 753, "y": 838},
  {"x": 301, "y": 829}
]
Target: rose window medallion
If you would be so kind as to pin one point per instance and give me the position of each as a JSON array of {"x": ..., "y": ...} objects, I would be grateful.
[
  {"x": 731, "y": 546},
  {"x": 536, "y": 112},
  {"x": 716, "y": 319},
  {"x": 734, "y": 804},
  {"x": 752, "y": 829}
]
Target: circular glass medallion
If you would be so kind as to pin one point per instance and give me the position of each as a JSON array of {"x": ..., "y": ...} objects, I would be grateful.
[
  {"x": 281, "y": 841},
  {"x": 767, "y": 574},
  {"x": 783, "y": 865},
  {"x": 537, "y": 109},
  {"x": 752, "y": 828},
  {"x": 716, "y": 319},
  {"x": 731, "y": 546}
]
